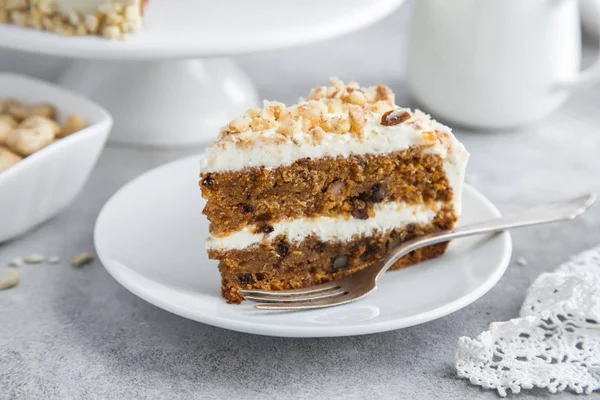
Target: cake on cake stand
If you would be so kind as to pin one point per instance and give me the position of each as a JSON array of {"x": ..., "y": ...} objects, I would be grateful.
[{"x": 169, "y": 85}]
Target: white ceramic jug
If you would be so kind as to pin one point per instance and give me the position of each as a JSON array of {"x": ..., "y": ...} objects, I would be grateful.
[{"x": 495, "y": 63}]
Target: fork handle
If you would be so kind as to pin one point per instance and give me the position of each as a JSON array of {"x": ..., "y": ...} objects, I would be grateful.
[{"x": 559, "y": 211}]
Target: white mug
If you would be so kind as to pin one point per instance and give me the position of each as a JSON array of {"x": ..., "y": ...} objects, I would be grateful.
[{"x": 495, "y": 63}]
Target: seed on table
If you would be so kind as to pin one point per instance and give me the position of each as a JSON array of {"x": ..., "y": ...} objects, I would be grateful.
[
  {"x": 34, "y": 258},
  {"x": 81, "y": 259},
  {"x": 16, "y": 262},
  {"x": 521, "y": 261},
  {"x": 53, "y": 260},
  {"x": 9, "y": 279}
]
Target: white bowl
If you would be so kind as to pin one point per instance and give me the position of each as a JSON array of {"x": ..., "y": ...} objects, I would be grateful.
[{"x": 43, "y": 184}]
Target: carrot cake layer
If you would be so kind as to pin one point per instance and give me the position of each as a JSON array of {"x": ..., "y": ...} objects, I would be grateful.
[
  {"x": 282, "y": 263},
  {"x": 290, "y": 190},
  {"x": 348, "y": 186}
]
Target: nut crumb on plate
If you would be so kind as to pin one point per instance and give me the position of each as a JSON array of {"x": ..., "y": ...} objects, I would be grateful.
[
  {"x": 16, "y": 262},
  {"x": 81, "y": 259},
  {"x": 10, "y": 278},
  {"x": 521, "y": 261},
  {"x": 53, "y": 260},
  {"x": 34, "y": 258}
]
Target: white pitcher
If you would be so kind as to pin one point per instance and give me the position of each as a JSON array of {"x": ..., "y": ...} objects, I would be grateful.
[{"x": 495, "y": 63}]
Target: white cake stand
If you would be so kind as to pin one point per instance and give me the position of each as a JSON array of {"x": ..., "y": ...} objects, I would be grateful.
[{"x": 165, "y": 85}]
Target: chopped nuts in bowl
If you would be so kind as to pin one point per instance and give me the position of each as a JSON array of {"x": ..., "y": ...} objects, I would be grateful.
[
  {"x": 50, "y": 140},
  {"x": 27, "y": 128}
]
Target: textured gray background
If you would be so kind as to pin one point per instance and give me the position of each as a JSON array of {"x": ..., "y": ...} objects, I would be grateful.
[{"x": 68, "y": 333}]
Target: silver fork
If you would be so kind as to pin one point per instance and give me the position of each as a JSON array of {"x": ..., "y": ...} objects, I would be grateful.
[{"x": 363, "y": 282}]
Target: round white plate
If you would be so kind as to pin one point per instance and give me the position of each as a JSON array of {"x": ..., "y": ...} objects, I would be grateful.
[
  {"x": 150, "y": 237},
  {"x": 195, "y": 28}
]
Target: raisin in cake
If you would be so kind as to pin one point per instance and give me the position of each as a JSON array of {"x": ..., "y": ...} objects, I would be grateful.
[
  {"x": 302, "y": 195},
  {"x": 109, "y": 18}
]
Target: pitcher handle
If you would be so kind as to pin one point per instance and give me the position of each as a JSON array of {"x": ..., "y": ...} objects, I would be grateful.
[{"x": 590, "y": 75}]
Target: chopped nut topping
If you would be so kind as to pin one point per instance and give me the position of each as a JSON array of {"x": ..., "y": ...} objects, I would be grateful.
[
  {"x": 112, "y": 32},
  {"x": 357, "y": 119},
  {"x": 338, "y": 109},
  {"x": 384, "y": 93},
  {"x": 12, "y": 5},
  {"x": 4, "y": 16},
  {"x": 92, "y": 23},
  {"x": 112, "y": 19},
  {"x": 240, "y": 124}
]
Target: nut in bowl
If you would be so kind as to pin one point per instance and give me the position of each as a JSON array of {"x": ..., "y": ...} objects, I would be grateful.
[{"x": 50, "y": 140}]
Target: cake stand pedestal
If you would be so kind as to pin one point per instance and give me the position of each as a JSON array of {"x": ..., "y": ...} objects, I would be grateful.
[
  {"x": 165, "y": 103},
  {"x": 168, "y": 85}
]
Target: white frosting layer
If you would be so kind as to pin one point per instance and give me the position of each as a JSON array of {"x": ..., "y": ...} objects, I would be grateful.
[
  {"x": 378, "y": 139},
  {"x": 454, "y": 166},
  {"x": 387, "y": 216}
]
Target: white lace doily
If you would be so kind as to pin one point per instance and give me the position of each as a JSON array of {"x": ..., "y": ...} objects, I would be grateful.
[{"x": 555, "y": 344}]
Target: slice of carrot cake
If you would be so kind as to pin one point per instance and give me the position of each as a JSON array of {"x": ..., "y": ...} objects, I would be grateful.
[{"x": 302, "y": 195}]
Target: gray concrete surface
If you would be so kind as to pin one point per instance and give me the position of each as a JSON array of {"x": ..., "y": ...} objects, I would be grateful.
[{"x": 77, "y": 334}]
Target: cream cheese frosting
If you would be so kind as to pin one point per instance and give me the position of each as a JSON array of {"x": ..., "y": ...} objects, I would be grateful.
[
  {"x": 387, "y": 216},
  {"x": 376, "y": 139}
]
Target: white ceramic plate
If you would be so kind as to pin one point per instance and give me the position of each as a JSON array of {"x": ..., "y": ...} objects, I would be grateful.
[
  {"x": 150, "y": 237},
  {"x": 194, "y": 28}
]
